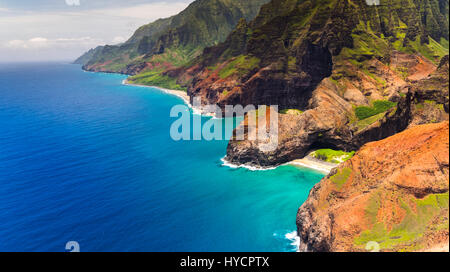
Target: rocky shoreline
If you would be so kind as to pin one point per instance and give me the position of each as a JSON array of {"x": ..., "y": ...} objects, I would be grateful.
[{"x": 307, "y": 162}]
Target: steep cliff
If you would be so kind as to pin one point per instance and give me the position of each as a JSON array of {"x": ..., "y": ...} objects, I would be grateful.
[
  {"x": 292, "y": 45},
  {"x": 393, "y": 192},
  {"x": 431, "y": 96},
  {"x": 349, "y": 67},
  {"x": 173, "y": 41}
]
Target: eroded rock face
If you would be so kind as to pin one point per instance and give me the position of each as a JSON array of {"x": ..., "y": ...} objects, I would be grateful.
[
  {"x": 296, "y": 133},
  {"x": 431, "y": 103},
  {"x": 329, "y": 120},
  {"x": 327, "y": 123},
  {"x": 393, "y": 192},
  {"x": 299, "y": 43}
]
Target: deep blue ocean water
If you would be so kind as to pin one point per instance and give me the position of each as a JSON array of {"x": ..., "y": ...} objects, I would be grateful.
[{"x": 84, "y": 158}]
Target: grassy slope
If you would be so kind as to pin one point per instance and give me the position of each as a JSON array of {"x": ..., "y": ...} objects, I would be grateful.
[{"x": 334, "y": 156}]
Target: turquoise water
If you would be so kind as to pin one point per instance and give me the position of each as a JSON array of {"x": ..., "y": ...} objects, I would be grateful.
[{"x": 84, "y": 158}]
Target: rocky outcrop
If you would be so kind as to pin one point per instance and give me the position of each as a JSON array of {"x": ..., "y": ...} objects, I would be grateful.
[
  {"x": 393, "y": 192},
  {"x": 431, "y": 96},
  {"x": 337, "y": 63},
  {"x": 326, "y": 124},
  {"x": 329, "y": 120}
]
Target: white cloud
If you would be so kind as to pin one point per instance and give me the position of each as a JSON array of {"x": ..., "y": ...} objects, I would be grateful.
[
  {"x": 28, "y": 44},
  {"x": 15, "y": 44},
  {"x": 73, "y": 2},
  {"x": 40, "y": 42},
  {"x": 48, "y": 35},
  {"x": 150, "y": 11},
  {"x": 118, "y": 39}
]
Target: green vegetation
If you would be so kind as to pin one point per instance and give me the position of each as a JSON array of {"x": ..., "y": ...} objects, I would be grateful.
[
  {"x": 362, "y": 124},
  {"x": 366, "y": 45},
  {"x": 374, "y": 77},
  {"x": 176, "y": 56},
  {"x": 334, "y": 156},
  {"x": 291, "y": 111},
  {"x": 428, "y": 104},
  {"x": 403, "y": 235},
  {"x": 241, "y": 65},
  {"x": 292, "y": 63},
  {"x": 379, "y": 106},
  {"x": 444, "y": 43},
  {"x": 369, "y": 40},
  {"x": 432, "y": 51},
  {"x": 341, "y": 177},
  {"x": 156, "y": 78}
]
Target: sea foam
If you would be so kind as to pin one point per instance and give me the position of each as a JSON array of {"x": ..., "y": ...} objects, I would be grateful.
[
  {"x": 294, "y": 238},
  {"x": 248, "y": 167}
]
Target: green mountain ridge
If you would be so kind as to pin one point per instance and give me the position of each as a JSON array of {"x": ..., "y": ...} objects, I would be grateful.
[
  {"x": 395, "y": 24},
  {"x": 172, "y": 41},
  {"x": 284, "y": 27}
]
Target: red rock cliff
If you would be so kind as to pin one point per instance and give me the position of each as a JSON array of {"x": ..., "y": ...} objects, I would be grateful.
[{"x": 394, "y": 192}]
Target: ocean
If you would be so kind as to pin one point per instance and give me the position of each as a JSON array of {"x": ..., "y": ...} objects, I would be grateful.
[{"x": 84, "y": 158}]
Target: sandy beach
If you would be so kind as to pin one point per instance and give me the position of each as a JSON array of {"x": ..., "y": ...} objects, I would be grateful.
[
  {"x": 307, "y": 162},
  {"x": 313, "y": 163}
]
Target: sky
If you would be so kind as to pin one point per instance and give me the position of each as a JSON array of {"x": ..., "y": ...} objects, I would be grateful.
[{"x": 62, "y": 30}]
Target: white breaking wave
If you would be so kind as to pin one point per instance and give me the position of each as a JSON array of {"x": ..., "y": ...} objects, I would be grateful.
[
  {"x": 294, "y": 238},
  {"x": 248, "y": 167},
  {"x": 195, "y": 110}
]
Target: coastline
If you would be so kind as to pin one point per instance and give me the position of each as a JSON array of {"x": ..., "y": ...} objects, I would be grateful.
[
  {"x": 180, "y": 94},
  {"x": 307, "y": 162},
  {"x": 248, "y": 167}
]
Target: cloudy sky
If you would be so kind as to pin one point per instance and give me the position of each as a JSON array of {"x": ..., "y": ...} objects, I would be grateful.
[{"x": 55, "y": 30}]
